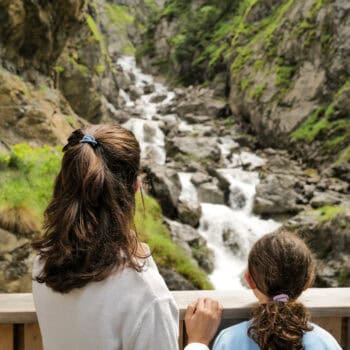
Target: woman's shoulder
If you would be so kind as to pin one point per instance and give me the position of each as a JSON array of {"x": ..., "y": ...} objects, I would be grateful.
[
  {"x": 235, "y": 337},
  {"x": 320, "y": 339}
]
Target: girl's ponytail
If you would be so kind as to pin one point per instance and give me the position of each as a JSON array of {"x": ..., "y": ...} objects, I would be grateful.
[
  {"x": 281, "y": 267},
  {"x": 279, "y": 325}
]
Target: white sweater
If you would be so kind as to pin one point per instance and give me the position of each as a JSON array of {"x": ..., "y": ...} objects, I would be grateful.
[{"x": 126, "y": 311}]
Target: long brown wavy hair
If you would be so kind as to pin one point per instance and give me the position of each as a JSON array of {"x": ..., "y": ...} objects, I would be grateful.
[
  {"x": 88, "y": 225},
  {"x": 280, "y": 263}
]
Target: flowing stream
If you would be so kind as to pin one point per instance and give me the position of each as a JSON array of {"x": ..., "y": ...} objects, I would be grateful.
[{"x": 236, "y": 222}]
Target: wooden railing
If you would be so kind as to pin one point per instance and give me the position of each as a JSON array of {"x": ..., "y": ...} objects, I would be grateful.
[{"x": 330, "y": 308}]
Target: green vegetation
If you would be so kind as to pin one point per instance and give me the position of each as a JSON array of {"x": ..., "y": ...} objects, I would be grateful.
[
  {"x": 166, "y": 253},
  {"x": 284, "y": 73},
  {"x": 27, "y": 177},
  {"x": 59, "y": 69},
  {"x": 95, "y": 30},
  {"x": 121, "y": 19},
  {"x": 26, "y": 181},
  {"x": 326, "y": 123},
  {"x": 328, "y": 212},
  {"x": 343, "y": 278},
  {"x": 257, "y": 92}
]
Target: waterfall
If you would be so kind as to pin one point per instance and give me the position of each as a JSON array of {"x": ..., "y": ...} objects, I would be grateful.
[{"x": 234, "y": 221}]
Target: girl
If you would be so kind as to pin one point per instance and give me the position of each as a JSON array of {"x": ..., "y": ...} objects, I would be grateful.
[
  {"x": 95, "y": 286},
  {"x": 280, "y": 268}
]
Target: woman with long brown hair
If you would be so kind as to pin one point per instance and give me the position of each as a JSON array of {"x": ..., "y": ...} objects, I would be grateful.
[
  {"x": 95, "y": 286},
  {"x": 280, "y": 268}
]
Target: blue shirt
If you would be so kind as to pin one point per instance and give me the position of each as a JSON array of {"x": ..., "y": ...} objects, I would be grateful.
[{"x": 236, "y": 337}]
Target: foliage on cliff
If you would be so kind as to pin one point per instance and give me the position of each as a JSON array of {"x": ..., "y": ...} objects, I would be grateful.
[
  {"x": 26, "y": 180},
  {"x": 286, "y": 62}
]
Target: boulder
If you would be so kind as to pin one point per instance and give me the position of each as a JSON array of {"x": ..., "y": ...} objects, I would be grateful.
[
  {"x": 276, "y": 195},
  {"x": 189, "y": 212},
  {"x": 193, "y": 243},
  {"x": 199, "y": 148},
  {"x": 164, "y": 185},
  {"x": 209, "y": 192},
  {"x": 158, "y": 98},
  {"x": 174, "y": 280}
]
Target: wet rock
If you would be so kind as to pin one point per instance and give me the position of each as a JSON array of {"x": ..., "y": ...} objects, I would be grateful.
[
  {"x": 230, "y": 239},
  {"x": 237, "y": 199},
  {"x": 199, "y": 148},
  {"x": 201, "y": 106},
  {"x": 135, "y": 93},
  {"x": 276, "y": 195},
  {"x": 194, "y": 119},
  {"x": 321, "y": 199},
  {"x": 164, "y": 184},
  {"x": 174, "y": 280},
  {"x": 200, "y": 178},
  {"x": 209, "y": 192},
  {"x": 189, "y": 212},
  {"x": 328, "y": 238},
  {"x": 148, "y": 89},
  {"x": 193, "y": 244},
  {"x": 158, "y": 98}
]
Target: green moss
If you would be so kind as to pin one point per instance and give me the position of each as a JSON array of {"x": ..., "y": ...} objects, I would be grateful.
[
  {"x": 244, "y": 83},
  {"x": 258, "y": 91},
  {"x": 328, "y": 212},
  {"x": 343, "y": 278},
  {"x": 28, "y": 178},
  {"x": 166, "y": 253},
  {"x": 71, "y": 121},
  {"x": 100, "y": 68},
  {"x": 121, "y": 19},
  {"x": 59, "y": 69},
  {"x": 311, "y": 127},
  {"x": 95, "y": 30},
  {"x": 284, "y": 75}
]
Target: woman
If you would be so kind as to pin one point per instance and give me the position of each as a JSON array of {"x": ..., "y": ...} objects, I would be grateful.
[
  {"x": 280, "y": 268},
  {"x": 95, "y": 286}
]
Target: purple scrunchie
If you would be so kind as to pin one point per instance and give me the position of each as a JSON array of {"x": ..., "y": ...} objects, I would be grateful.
[{"x": 283, "y": 298}]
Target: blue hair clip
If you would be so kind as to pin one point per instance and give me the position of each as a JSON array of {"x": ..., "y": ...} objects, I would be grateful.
[{"x": 89, "y": 139}]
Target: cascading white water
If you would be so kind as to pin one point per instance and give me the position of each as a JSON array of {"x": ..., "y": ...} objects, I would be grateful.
[
  {"x": 145, "y": 128},
  {"x": 235, "y": 220}
]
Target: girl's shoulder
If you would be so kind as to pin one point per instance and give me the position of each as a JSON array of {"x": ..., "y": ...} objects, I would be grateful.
[
  {"x": 320, "y": 339},
  {"x": 235, "y": 337}
]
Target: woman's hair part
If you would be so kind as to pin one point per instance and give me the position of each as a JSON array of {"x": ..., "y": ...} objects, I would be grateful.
[{"x": 88, "y": 225}]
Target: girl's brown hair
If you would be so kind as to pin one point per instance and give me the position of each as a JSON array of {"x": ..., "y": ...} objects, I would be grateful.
[
  {"x": 89, "y": 229},
  {"x": 280, "y": 263}
]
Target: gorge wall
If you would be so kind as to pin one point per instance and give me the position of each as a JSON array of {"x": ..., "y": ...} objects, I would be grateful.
[{"x": 282, "y": 64}]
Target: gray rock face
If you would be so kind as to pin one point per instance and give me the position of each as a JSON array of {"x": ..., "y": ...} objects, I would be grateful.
[
  {"x": 165, "y": 185},
  {"x": 205, "y": 148},
  {"x": 174, "y": 280},
  {"x": 209, "y": 192},
  {"x": 329, "y": 240},
  {"x": 276, "y": 195},
  {"x": 189, "y": 212},
  {"x": 193, "y": 244}
]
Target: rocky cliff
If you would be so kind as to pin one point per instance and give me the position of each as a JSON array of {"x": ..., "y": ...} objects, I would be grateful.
[
  {"x": 59, "y": 71},
  {"x": 282, "y": 64}
]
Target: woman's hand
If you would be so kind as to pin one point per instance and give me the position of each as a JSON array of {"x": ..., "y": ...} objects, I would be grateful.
[{"x": 202, "y": 320}]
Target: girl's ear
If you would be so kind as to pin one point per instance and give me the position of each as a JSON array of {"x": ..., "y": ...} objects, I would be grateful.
[
  {"x": 137, "y": 184},
  {"x": 309, "y": 282},
  {"x": 250, "y": 281}
]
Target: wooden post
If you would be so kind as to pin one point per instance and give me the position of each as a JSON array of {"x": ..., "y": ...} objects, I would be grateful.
[
  {"x": 32, "y": 337},
  {"x": 181, "y": 334},
  {"x": 333, "y": 325},
  {"x": 6, "y": 337}
]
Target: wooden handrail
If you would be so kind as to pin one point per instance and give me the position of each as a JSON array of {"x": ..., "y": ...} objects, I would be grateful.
[{"x": 329, "y": 307}]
